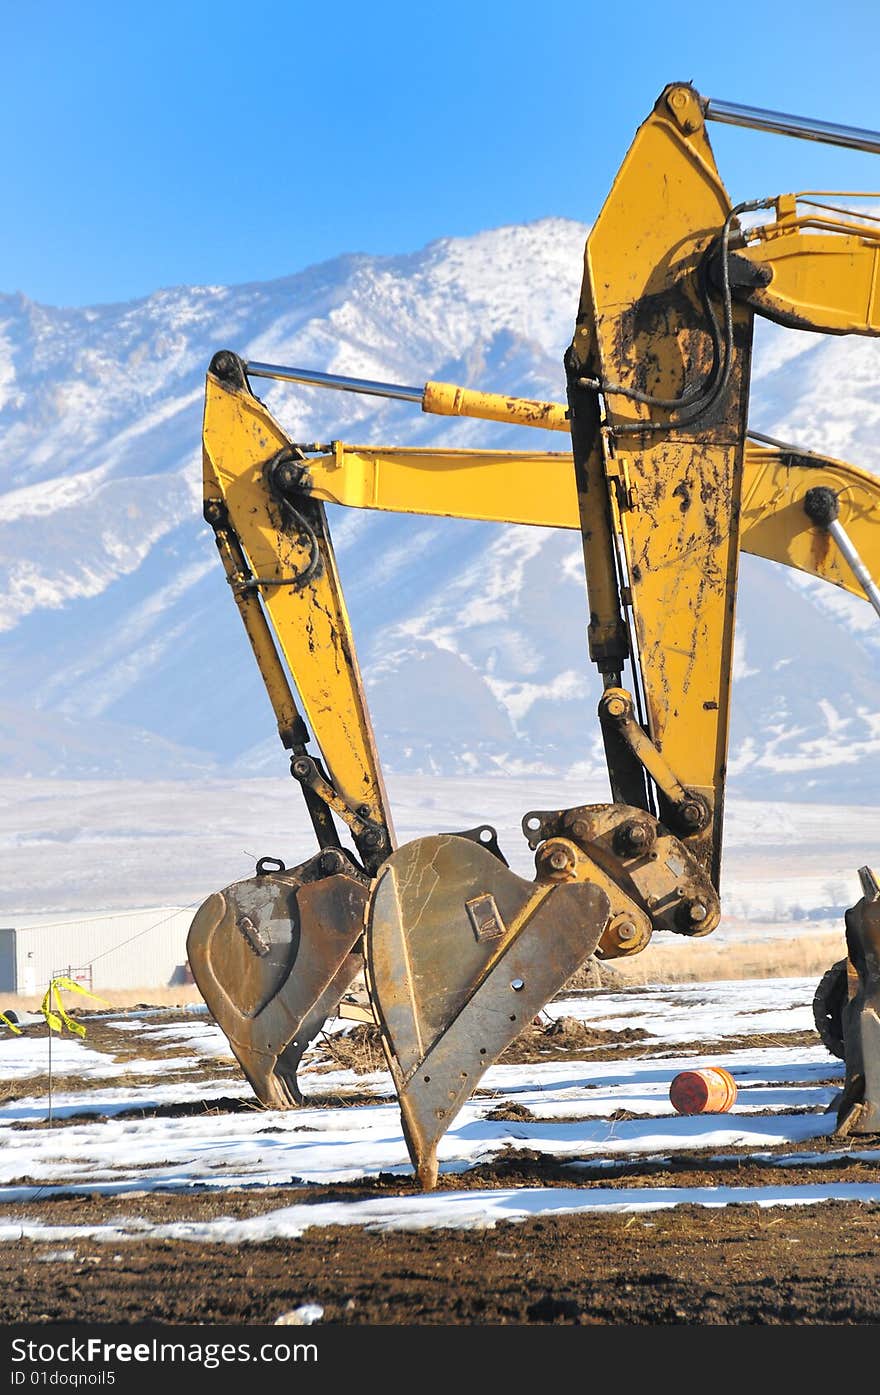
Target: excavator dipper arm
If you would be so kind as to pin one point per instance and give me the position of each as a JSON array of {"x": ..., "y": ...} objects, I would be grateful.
[
  {"x": 252, "y": 500},
  {"x": 274, "y": 954},
  {"x": 663, "y": 342}
]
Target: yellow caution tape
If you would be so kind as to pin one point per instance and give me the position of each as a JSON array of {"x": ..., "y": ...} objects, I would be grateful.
[
  {"x": 61, "y": 1018},
  {"x": 11, "y": 1025}
]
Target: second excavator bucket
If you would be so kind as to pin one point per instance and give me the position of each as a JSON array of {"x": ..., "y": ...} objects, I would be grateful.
[
  {"x": 272, "y": 957},
  {"x": 461, "y": 953}
]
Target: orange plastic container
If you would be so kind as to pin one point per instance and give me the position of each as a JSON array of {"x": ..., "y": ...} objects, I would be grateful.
[{"x": 708, "y": 1091}]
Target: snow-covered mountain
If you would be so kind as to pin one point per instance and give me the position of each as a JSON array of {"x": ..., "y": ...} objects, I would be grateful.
[{"x": 122, "y": 651}]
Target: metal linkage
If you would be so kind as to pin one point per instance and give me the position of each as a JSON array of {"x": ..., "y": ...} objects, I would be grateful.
[
  {"x": 822, "y": 507},
  {"x": 313, "y": 378},
  {"x": 803, "y": 127},
  {"x": 441, "y": 399}
]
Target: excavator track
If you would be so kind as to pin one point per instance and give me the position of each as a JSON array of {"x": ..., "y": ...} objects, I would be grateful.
[
  {"x": 858, "y": 1110},
  {"x": 829, "y": 1001}
]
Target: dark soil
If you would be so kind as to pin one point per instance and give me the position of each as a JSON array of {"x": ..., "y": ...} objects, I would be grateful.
[
  {"x": 733, "y": 1265},
  {"x": 738, "y": 1264}
]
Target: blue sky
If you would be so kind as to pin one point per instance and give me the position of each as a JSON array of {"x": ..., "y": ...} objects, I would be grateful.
[{"x": 165, "y": 144}]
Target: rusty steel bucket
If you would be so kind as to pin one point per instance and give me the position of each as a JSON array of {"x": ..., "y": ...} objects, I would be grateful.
[{"x": 711, "y": 1090}]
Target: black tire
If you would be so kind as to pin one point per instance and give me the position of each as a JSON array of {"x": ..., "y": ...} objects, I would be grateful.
[{"x": 829, "y": 1001}]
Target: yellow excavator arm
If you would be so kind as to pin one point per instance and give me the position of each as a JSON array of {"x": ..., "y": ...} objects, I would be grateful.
[
  {"x": 539, "y": 489},
  {"x": 666, "y": 489}
]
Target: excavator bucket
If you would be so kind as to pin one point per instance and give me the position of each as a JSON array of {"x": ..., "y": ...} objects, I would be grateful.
[
  {"x": 858, "y": 1110},
  {"x": 461, "y": 953},
  {"x": 272, "y": 957}
]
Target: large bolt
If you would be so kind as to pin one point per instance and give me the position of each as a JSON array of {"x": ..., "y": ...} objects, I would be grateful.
[
  {"x": 690, "y": 915},
  {"x": 693, "y": 815},
  {"x": 579, "y": 827},
  {"x": 226, "y": 365},
  {"x": 634, "y": 837},
  {"x": 301, "y": 767},
  {"x": 821, "y": 505},
  {"x": 288, "y": 476},
  {"x": 626, "y": 930},
  {"x": 616, "y": 707},
  {"x": 679, "y": 102},
  {"x": 555, "y": 859}
]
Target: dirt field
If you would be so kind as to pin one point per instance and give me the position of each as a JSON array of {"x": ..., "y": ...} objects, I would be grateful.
[
  {"x": 735, "y": 1265},
  {"x": 805, "y": 1264}
]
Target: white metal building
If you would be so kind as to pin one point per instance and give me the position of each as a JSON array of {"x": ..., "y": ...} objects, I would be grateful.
[{"x": 118, "y": 949}]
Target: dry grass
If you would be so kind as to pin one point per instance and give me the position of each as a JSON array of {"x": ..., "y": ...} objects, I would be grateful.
[
  {"x": 701, "y": 961},
  {"x": 678, "y": 961},
  {"x": 184, "y": 996},
  {"x": 359, "y": 1050}
]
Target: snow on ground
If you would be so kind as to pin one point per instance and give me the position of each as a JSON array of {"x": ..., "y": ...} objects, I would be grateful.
[
  {"x": 205, "y": 1038},
  {"x": 72, "y": 1057},
  {"x": 702, "y": 1011},
  {"x": 446, "y": 1210},
  {"x": 585, "y": 1113},
  {"x": 324, "y": 1145}
]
